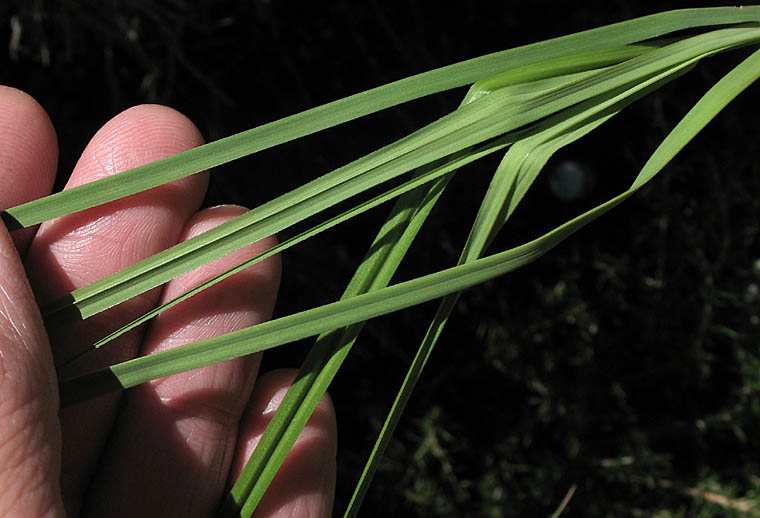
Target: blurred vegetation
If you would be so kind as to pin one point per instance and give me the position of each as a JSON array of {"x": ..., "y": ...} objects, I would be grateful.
[{"x": 625, "y": 364}]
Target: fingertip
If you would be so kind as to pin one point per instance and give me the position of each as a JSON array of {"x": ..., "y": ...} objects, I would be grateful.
[
  {"x": 28, "y": 148},
  {"x": 28, "y": 153},
  {"x": 305, "y": 483},
  {"x": 244, "y": 299},
  {"x": 124, "y": 231},
  {"x": 211, "y": 217},
  {"x": 75, "y": 250},
  {"x": 137, "y": 136},
  {"x": 190, "y": 420},
  {"x": 268, "y": 270}
]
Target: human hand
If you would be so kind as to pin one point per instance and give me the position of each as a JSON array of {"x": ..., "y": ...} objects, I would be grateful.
[{"x": 169, "y": 447}]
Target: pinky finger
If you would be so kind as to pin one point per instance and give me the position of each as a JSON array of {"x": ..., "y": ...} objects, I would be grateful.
[{"x": 305, "y": 484}]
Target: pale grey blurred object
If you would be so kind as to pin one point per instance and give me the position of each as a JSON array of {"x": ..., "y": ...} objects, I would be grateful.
[{"x": 571, "y": 180}]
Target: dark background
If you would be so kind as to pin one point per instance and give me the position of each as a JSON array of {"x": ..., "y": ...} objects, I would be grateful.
[{"x": 624, "y": 363}]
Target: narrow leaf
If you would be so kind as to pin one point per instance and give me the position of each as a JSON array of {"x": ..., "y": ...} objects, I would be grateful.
[
  {"x": 486, "y": 118},
  {"x": 514, "y": 176},
  {"x": 365, "y": 103}
]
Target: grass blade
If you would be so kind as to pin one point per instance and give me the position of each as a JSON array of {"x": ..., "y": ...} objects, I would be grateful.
[
  {"x": 488, "y": 117},
  {"x": 334, "y": 356},
  {"x": 369, "y": 305},
  {"x": 315, "y": 399},
  {"x": 565, "y": 500},
  {"x": 360, "y": 307},
  {"x": 324, "y": 318},
  {"x": 461, "y": 129},
  {"x": 714, "y": 101},
  {"x": 419, "y": 180},
  {"x": 717, "y": 98},
  {"x": 529, "y": 79},
  {"x": 331, "y": 349},
  {"x": 514, "y": 176},
  {"x": 365, "y": 103}
]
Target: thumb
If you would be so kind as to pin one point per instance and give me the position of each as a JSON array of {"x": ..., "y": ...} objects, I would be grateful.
[{"x": 30, "y": 437}]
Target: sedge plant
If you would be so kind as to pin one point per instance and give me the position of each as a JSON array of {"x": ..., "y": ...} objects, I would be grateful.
[{"x": 524, "y": 104}]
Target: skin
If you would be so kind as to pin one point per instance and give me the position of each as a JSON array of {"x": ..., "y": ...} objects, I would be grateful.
[{"x": 166, "y": 448}]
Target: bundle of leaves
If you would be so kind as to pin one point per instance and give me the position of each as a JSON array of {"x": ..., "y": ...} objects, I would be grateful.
[{"x": 622, "y": 366}]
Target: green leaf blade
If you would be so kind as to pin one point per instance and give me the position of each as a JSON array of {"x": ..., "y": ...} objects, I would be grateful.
[{"x": 365, "y": 103}]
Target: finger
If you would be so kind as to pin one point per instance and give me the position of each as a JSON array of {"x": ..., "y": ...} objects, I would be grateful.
[
  {"x": 29, "y": 432},
  {"x": 305, "y": 484},
  {"x": 74, "y": 250},
  {"x": 174, "y": 439},
  {"x": 30, "y": 435},
  {"x": 28, "y": 154}
]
